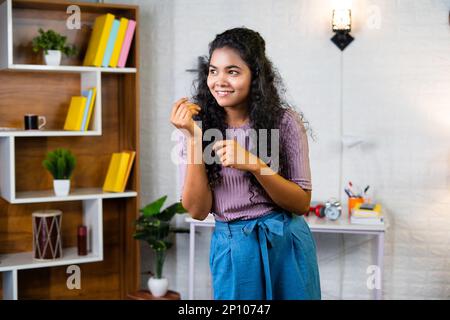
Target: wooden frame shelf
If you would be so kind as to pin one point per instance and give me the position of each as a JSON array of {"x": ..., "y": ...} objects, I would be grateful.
[
  {"x": 24, "y": 260},
  {"x": 12, "y": 263},
  {"x": 112, "y": 267},
  {"x": 47, "y": 133},
  {"x": 75, "y": 195},
  {"x": 77, "y": 69}
]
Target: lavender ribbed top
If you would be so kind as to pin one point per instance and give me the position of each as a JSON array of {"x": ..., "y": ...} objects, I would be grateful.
[{"x": 231, "y": 198}]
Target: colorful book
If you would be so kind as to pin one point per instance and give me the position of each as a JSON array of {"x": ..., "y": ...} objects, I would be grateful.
[
  {"x": 127, "y": 43},
  {"x": 90, "y": 96},
  {"x": 365, "y": 210},
  {"x": 111, "y": 42},
  {"x": 98, "y": 41},
  {"x": 74, "y": 118},
  {"x": 130, "y": 165},
  {"x": 369, "y": 221},
  {"x": 116, "y": 172},
  {"x": 112, "y": 172},
  {"x": 119, "y": 171},
  {"x": 119, "y": 41}
]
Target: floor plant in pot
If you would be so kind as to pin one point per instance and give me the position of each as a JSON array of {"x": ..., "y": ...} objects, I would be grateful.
[
  {"x": 60, "y": 163},
  {"x": 153, "y": 227},
  {"x": 53, "y": 45}
]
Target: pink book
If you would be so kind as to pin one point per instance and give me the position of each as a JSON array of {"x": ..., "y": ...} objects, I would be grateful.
[{"x": 126, "y": 43}]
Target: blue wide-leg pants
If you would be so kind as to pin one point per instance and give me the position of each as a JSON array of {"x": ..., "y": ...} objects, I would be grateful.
[{"x": 272, "y": 257}]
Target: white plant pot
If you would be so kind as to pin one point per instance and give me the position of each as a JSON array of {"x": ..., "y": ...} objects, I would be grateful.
[
  {"x": 53, "y": 58},
  {"x": 61, "y": 187},
  {"x": 158, "y": 287}
]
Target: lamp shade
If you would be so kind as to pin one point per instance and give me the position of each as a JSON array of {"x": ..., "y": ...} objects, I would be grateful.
[{"x": 342, "y": 20}]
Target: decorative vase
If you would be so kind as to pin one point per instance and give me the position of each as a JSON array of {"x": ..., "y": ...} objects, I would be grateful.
[
  {"x": 52, "y": 58},
  {"x": 158, "y": 287},
  {"x": 61, "y": 187}
]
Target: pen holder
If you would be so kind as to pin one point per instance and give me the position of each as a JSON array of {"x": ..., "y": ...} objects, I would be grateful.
[{"x": 352, "y": 202}]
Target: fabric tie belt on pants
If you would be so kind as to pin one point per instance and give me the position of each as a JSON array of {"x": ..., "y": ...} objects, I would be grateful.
[
  {"x": 268, "y": 227},
  {"x": 266, "y": 231}
]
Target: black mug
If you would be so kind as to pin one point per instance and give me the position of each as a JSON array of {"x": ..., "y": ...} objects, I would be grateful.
[{"x": 34, "y": 122}]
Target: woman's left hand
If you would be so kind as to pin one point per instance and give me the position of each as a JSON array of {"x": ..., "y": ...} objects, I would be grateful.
[{"x": 233, "y": 155}]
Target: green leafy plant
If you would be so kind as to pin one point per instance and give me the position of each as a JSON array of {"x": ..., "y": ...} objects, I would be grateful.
[
  {"x": 60, "y": 163},
  {"x": 51, "y": 40},
  {"x": 153, "y": 227}
]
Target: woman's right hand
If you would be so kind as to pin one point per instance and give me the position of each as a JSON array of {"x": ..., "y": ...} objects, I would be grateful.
[{"x": 181, "y": 116}]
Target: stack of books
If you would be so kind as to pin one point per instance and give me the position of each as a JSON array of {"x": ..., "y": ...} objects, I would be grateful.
[
  {"x": 119, "y": 171},
  {"x": 367, "y": 213},
  {"x": 110, "y": 42},
  {"x": 80, "y": 111}
]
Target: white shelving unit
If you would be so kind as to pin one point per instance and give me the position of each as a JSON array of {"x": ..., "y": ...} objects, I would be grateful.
[
  {"x": 47, "y": 133},
  {"x": 92, "y": 198},
  {"x": 20, "y": 261},
  {"x": 76, "y": 69},
  {"x": 89, "y": 77},
  {"x": 6, "y": 52},
  {"x": 75, "y": 194}
]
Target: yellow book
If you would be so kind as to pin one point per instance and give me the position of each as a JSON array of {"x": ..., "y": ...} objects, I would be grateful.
[
  {"x": 130, "y": 165},
  {"x": 364, "y": 210},
  {"x": 119, "y": 41},
  {"x": 91, "y": 107},
  {"x": 121, "y": 171},
  {"x": 99, "y": 40},
  {"x": 75, "y": 114},
  {"x": 112, "y": 172},
  {"x": 116, "y": 172}
]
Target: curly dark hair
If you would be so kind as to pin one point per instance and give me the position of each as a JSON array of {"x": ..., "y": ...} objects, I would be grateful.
[{"x": 266, "y": 104}]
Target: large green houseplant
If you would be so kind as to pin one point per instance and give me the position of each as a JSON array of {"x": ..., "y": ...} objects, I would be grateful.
[
  {"x": 153, "y": 227},
  {"x": 52, "y": 44},
  {"x": 61, "y": 164}
]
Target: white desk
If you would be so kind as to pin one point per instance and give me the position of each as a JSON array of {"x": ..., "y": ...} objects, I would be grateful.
[{"x": 316, "y": 224}]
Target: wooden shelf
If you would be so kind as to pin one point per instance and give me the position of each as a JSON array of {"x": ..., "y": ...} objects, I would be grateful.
[
  {"x": 24, "y": 260},
  {"x": 76, "y": 69},
  {"x": 47, "y": 133},
  {"x": 75, "y": 195},
  {"x": 30, "y": 86}
]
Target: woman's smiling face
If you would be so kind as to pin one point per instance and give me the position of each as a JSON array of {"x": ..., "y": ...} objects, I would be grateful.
[{"x": 229, "y": 78}]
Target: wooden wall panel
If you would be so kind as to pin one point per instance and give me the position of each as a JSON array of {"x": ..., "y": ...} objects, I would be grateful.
[{"x": 39, "y": 93}]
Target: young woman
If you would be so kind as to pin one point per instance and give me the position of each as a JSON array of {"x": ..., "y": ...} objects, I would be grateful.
[{"x": 261, "y": 247}]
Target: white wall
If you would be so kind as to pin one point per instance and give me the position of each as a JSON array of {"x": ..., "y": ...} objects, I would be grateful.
[{"x": 390, "y": 87}]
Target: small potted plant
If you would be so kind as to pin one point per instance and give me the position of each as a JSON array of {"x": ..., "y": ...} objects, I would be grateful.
[
  {"x": 153, "y": 227},
  {"x": 52, "y": 44},
  {"x": 60, "y": 163}
]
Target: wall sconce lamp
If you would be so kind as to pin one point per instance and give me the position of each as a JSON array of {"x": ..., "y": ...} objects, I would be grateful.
[{"x": 342, "y": 23}]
